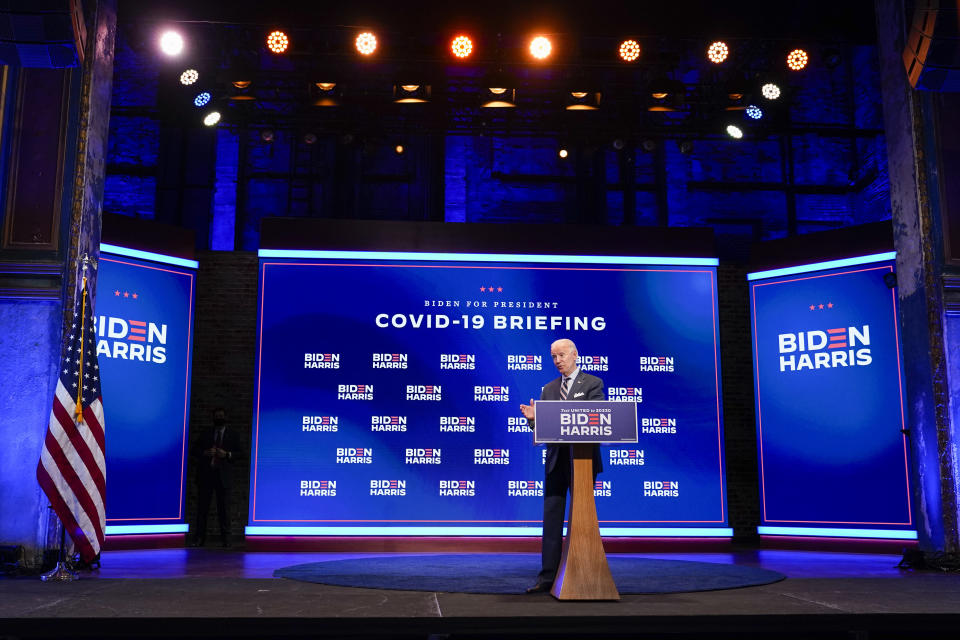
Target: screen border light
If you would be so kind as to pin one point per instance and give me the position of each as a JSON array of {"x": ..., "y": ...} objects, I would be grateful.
[
  {"x": 822, "y": 266},
  {"x": 148, "y": 255},
  {"x": 486, "y": 257},
  {"x": 829, "y": 532}
]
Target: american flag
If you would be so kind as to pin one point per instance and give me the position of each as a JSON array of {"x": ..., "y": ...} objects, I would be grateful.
[{"x": 71, "y": 470}]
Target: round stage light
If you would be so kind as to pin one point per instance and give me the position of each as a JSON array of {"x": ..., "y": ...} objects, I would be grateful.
[
  {"x": 366, "y": 43},
  {"x": 171, "y": 43},
  {"x": 202, "y": 99},
  {"x": 461, "y": 46},
  {"x": 629, "y": 50},
  {"x": 211, "y": 118},
  {"x": 754, "y": 112},
  {"x": 540, "y": 47},
  {"x": 734, "y": 131},
  {"x": 770, "y": 91},
  {"x": 189, "y": 76},
  {"x": 277, "y": 41},
  {"x": 399, "y": 149},
  {"x": 797, "y": 59},
  {"x": 563, "y": 153},
  {"x": 718, "y": 52}
]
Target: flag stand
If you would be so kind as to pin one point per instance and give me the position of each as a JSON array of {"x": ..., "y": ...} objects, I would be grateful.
[{"x": 60, "y": 573}]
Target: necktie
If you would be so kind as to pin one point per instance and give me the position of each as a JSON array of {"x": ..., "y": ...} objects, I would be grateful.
[{"x": 563, "y": 388}]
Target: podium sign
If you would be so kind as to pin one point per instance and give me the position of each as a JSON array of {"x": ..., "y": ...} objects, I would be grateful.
[
  {"x": 584, "y": 573},
  {"x": 584, "y": 421}
]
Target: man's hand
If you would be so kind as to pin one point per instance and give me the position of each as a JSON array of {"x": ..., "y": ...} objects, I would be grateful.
[
  {"x": 212, "y": 451},
  {"x": 221, "y": 453},
  {"x": 527, "y": 411}
]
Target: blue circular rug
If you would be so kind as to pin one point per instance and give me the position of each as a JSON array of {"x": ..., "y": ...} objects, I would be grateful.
[{"x": 504, "y": 573}]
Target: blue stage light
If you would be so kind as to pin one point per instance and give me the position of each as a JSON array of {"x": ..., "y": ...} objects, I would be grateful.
[
  {"x": 202, "y": 99},
  {"x": 754, "y": 112}
]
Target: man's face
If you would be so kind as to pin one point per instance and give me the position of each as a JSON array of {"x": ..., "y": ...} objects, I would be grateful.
[
  {"x": 564, "y": 358},
  {"x": 219, "y": 417}
]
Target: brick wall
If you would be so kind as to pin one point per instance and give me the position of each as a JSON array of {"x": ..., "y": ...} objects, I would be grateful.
[{"x": 223, "y": 366}]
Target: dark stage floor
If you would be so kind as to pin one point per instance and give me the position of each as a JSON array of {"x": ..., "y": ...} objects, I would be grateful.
[{"x": 188, "y": 593}]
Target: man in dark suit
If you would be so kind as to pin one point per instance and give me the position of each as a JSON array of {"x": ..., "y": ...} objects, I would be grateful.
[
  {"x": 572, "y": 384},
  {"x": 214, "y": 456}
]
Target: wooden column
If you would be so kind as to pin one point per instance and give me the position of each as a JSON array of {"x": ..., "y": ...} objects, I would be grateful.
[{"x": 584, "y": 573}]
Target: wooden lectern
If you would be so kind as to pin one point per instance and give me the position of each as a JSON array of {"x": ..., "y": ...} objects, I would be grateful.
[{"x": 584, "y": 573}]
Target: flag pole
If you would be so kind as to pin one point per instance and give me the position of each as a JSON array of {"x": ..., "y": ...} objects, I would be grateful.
[{"x": 60, "y": 573}]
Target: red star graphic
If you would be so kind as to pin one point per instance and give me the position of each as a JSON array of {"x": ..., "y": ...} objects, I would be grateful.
[
  {"x": 483, "y": 288},
  {"x": 116, "y": 293},
  {"x": 812, "y": 307},
  {"x": 135, "y": 296},
  {"x": 126, "y": 294},
  {"x": 500, "y": 289},
  {"x": 490, "y": 289},
  {"x": 830, "y": 305},
  {"x": 821, "y": 305}
]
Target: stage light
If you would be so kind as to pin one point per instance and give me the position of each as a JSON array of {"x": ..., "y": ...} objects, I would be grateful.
[
  {"x": 685, "y": 147},
  {"x": 242, "y": 90},
  {"x": 211, "y": 118},
  {"x": 189, "y": 76},
  {"x": 411, "y": 93},
  {"x": 267, "y": 135},
  {"x": 325, "y": 94},
  {"x": 366, "y": 43},
  {"x": 277, "y": 41},
  {"x": 718, "y": 52},
  {"x": 649, "y": 145},
  {"x": 399, "y": 149},
  {"x": 583, "y": 101},
  {"x": 629, "y": 50},
  {"x": 461, "y": 46},
  {"x": 309, "y": 138},
  {"x": 202, "y": 99},
  {"x": 665, "y": 94},
  {"x": 797, "y": 59},
  {"x": 499, "y": 91},
  {"x": 754, "y": 112},
  {"x": 734, "y": 131},
  {"x": 171, "y": 43},
  {"x": 563, "y": 153},
  {"x": 540, "y": 47},
  {"x": 770, "y": 91},
  {"x": 618, "y": 144},
  {"x": 832, "y": 58}
]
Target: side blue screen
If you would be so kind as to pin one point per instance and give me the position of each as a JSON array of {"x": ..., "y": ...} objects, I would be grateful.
[
  {"x": 388, "y": 394},
  {"x": 829, "y": 400},
  {"x": 144, "y": 322}
]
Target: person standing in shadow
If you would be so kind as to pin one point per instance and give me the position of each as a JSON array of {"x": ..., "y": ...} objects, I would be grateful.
[{"x": 214, "y": 455}]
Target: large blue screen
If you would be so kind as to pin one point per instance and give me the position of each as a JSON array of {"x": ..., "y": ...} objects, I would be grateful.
[
  {"x": 829, "y": 402},
  {"x": 388, "y": 394},
  {"x": 144, "y": 322}
]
